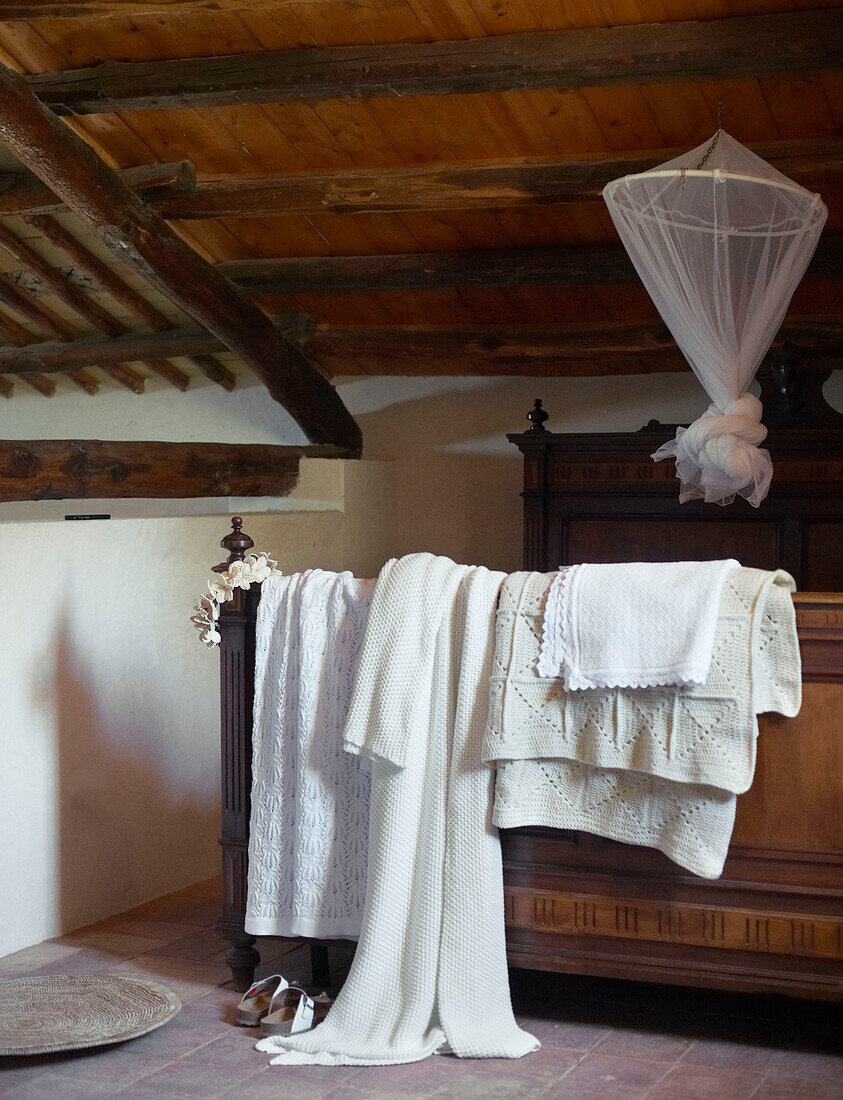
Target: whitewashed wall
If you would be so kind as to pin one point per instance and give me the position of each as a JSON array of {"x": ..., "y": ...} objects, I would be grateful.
[{"x": 109, "y": 731}]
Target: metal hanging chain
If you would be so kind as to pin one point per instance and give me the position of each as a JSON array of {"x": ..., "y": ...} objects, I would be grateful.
[
  {"x": 715, "y": 139},
  {"x": 712, "y": 145}
]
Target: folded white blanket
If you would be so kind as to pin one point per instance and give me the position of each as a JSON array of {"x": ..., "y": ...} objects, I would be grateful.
[
  {"x": 638, "y": 624},
  {"x": 309, "y": 832},
  {"x": 430, "y": 969},
  {"x": 659, "y": 767}
]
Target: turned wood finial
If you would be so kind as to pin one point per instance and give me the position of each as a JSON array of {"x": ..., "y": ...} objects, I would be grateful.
[
  {"x": 236, "y": 542},
  {"x": 537, "y": 417}
]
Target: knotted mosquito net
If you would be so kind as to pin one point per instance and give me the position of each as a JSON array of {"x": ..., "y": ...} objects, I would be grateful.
[{"x": 720, "y": 239}]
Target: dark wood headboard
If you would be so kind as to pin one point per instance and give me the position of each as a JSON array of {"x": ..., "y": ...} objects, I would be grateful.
[{"x": 601, "y": 498}]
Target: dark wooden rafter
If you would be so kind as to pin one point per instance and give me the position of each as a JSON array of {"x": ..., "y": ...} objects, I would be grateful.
[
  {"x": 73, "y": 297},
  {"x": 600, "y": 266},
  {"x": 25, "y": 193},
  {"x": 56, "y": 469},
  {"x": 20, "y": 337},
  {"x": 189, "y": 341},
  {"x": 757, "y": 45},
  {"x": 138, "y": 236},
  {"x": 20, "y": 300},
  {"x": 536, "y": 181},
  {"x": 111, "y": 282},
  {"x": 409, "y": 349},
  {"x": 572, "y": 349}
]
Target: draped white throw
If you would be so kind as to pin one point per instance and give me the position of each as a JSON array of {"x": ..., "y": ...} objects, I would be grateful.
[
  {"x": 632, "y": 624},
  {"x": 308, "y": 838},
  {"x": 721, "y": 240},
  {"x": 430, "y": 969}
]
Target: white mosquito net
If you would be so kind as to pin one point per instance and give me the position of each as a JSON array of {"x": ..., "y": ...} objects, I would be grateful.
[{"x": 720, "y": 240}]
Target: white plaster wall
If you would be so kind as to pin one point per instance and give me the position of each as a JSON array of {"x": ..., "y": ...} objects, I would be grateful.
[{"x": 109, "y": 739}]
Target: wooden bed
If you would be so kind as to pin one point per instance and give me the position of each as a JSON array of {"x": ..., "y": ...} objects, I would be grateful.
[{"x": 576, "y": 903}]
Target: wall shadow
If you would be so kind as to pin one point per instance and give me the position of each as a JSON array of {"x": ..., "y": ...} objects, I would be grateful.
[{"x": 123, "y": 830}]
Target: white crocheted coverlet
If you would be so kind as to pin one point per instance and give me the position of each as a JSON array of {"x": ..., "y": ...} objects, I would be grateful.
[
  {"x": 430, "y": 971},
  {"x": 632, "y": 624},
  {"x": 658, "y": 767},
  {"x": 308, "y": 838}
]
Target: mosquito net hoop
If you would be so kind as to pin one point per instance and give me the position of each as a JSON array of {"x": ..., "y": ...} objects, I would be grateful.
[{"x": 721, "y": 240}]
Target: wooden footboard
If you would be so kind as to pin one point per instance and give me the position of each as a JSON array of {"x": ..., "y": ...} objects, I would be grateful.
[{"x": 772, "y": 923}]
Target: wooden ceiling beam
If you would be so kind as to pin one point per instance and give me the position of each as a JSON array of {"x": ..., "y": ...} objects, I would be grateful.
[
  {"x": 572, "y": 350},
  {"x": 720, "y": 49},
  {"x": 57, "y": 469},
  {"x": 24, "y": 193},
  {"x": 537, "y": 181},
  {"x": 189, "y": 341},
  {"x": 498, "y": 267},
  {"x": 138, "y": 236}
]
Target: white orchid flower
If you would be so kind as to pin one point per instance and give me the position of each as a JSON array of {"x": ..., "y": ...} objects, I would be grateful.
[
  {"x": 237, "y": 575},
  {"x": 259, "y": 567},
  {"x": 210, "y": 636},
  {"x": 220, "y": 590}
]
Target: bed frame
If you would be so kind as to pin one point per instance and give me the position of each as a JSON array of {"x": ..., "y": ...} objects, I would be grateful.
[{"x": 576, "y": 903}]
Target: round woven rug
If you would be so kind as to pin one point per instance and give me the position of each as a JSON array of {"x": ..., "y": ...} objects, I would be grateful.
[{"x": 56, "y": 1012}]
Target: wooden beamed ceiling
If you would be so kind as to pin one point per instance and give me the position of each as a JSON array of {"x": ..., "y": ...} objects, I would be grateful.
[{"x": 419, "y": 184}]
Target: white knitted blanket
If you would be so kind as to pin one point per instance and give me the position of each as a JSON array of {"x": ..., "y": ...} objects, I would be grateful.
[
  {"x": 658, "y": 767},
  {"x": 430, "y": 969},
  {"x": 309, "y": 832},
  {"x": 632, "y": 624}
]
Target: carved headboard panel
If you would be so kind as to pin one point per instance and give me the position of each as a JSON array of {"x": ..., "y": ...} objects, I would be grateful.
[{"x": 601, "y": 498}]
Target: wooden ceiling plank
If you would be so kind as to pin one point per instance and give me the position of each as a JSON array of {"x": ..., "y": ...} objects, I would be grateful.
[
  {"x": 140, "y": 237},
  {"x": 22, "y": 193},
  {"x": 581, "y": 267},
  {"x": 755, "y": 45}
]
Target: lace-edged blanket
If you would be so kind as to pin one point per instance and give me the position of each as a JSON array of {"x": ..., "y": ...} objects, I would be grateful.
[
  {"x": 632, "y": 624},
  {"x": 659, "y": 767},
  {"x": 308, "y": 837}
]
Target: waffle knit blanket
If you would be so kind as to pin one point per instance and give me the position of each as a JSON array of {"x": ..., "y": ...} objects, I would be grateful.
[
  {"x": 658, "y": 767},
  {"x": 633, "y": 624},
  {"x": 430, "y": 971}
]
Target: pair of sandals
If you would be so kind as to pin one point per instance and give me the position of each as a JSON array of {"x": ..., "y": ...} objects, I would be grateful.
[{"x": 281, "y": 1008}]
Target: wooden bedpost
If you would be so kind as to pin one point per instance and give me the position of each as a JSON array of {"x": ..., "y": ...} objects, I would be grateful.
[{"x": 237, "y": 686}]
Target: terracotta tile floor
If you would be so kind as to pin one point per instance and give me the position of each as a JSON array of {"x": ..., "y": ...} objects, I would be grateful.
[{"x": 600, "y": 1039}]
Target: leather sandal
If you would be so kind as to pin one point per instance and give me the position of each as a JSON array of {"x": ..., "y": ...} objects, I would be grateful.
[
  {"x": 292, "y": 1011},
  {"x": 256, "y": 1001}
]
